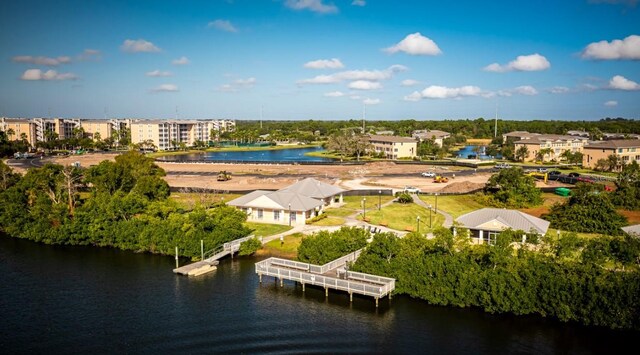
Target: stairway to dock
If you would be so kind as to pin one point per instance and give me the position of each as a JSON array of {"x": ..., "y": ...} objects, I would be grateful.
[{"x": 211, "y": 258}]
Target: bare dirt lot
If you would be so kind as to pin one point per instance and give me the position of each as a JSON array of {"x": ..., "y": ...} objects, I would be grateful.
[{"x": 275, "y": 176}]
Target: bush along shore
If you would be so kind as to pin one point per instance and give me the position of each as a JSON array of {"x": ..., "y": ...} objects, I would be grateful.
[{"x": 127, "y": 208}]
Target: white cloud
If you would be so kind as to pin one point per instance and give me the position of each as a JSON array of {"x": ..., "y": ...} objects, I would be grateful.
[
  {"x": 629, "y": 48},
  {"x": 222, "y": 25},
  {"x": 333, "y": 63},
  {"x": 559, "y": 90},
  {"x": 588, "y": 87},
  {"x": 369, "y": 101},
  {"x": 312, "y": 5},
  {"x": 414, "y": 96},
  {"x": 442, "y": 92},
  {"x": 238, "y": 85},
  {"x": 158, "y": 73},
  {"x": 352, "y": 75},
  {"x": 181, "y": 61},
  {"x": 165, "y": 88},
  {"x": 365, "y": 85},
  {"x": 138, "y": 46},
  {"x": 40, "y": 60},
  {"x": 334, "y": 94},
  {"x": 415, "y": 44},
  {"x": 611, "y": 103},
  {"x": 619, "y": 82},
  {"x": 37, "y": 74},
  {"x": 526, "y": 90},
  {"x": 358, "y": 3},
  {"x": 532, "y": 62},
  {"x": 409, "y": 82},
  {"x": 90, "y": 54},
  {"x": 246, "y": 82}
]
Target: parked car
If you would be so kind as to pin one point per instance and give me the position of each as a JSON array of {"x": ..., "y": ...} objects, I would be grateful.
[
  {"x": 502, "y": 166},
  {"x": 542, "y": 170},
  {"x": 411, "y": 190},
  {"x": 574, "y": 174},
  {"x": 553, "y": 175},
  {"x": 428, "y": 174}
]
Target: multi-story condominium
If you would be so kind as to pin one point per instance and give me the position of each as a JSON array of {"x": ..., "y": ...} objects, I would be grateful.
[
  {"x": 554, "y": 146},
  {"x": 517, "y": 136},
  {"x": 167, "y": 134},
  {"x": 394, "y": 147},
  {"x": 21, "y": 128},
  {"x": 437, "y": 136},
  {"x": 627, "y": 151}
]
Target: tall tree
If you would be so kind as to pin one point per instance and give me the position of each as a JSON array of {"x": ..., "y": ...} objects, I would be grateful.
[{"x": 522, "y": 153}]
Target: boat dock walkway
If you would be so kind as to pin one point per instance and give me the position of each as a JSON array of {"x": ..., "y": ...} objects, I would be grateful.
[
  {"x": 211, "y": 258},
  {"x": 332, "y": 275}
]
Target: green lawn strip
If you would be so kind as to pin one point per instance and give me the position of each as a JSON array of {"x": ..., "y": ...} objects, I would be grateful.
[
  {"x": 289, "y": 248},
  {"x": 266, "y": 229},
  {"x": 339, "y": 212},
  {"x": 402, "y": 216},
  {"x": 353, "y": 204},
  {"x": 455, "y": 205},
  {"x": 329, "y": 221},
  {"x": 190, "y": 199}
]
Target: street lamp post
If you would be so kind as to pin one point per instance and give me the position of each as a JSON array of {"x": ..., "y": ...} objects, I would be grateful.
[
  {"x": 429, "y": 216},
  {"x": 379, "y": 199},
  {"x": 289, "y": 215},
  {"x": 364, "y": 208},
  {"x": 418, "y": 223},
  {"x": 436, "y": 203}
]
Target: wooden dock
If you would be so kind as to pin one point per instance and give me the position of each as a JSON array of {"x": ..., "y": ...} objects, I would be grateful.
[
  {"x": 211, "y": 258},
  {"x": 332, "y": 275}
]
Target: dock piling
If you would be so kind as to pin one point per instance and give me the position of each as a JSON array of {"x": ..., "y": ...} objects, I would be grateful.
[
  {"x": 376, "y": 302},
  {"x": 177, "y": 258}
]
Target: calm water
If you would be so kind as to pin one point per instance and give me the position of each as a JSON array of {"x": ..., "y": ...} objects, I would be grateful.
[
  {"x": 90, "y": 300},
  {"x": 283, "y": 155},
  {"x": 468, "y": 150}
]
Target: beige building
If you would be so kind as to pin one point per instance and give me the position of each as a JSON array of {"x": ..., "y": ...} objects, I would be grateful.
[
  {"x": 627, "y": 150},
  {"x": 556, "y": 143},
  {"x": 165, "y": 133},
  {"x": 95, "y": 129},
  {"x": 394, "y": 147},
  {"x": 437, "y": 136},
  {"x": 517, "y": 136},
  {"x": 21, "y": 128},
  {"x": 292, "y": 205}
]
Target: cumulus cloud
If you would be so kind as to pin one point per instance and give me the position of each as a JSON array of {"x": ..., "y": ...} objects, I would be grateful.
[
  {"x": 165, "y": 88},
  {"x": 334, "y": 94},
  {"x": 369, "y": 101},
  {"x": 333, "y": 63},
  {"x": 409, "y": 82},
  {"x": 358, "y": 3},
  {"x": 559, "y": 90},
  {"x": 526, "y": 90},
  {"x": 365, "y": 85},
  {"x": 619, "y": 82},
  {"x": 532, "y": 62},
  {"x": 443, "y": 92},
  {"x": 158, "y": 73},
  {"x": 611, "y": 103},
  {"x": 353, "y": 75},
  {"x": 138, "y": 46},
  {"x": 90, "y": 54},
  {"x": 628, "y": 48},
  {"x": 312, "y": 5},
  {"x": 222, "y": 25},
  {"x": 414, "y": 96},
  {"x": 40, "y": 60},
  {"x": 415, "y": 44},
  {"x": 37, "y": 74},
  {"x": 181, "y": 61},
  {"x": 238, "y": 85}
]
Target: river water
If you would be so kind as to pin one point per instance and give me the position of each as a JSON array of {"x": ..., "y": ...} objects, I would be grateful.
[
  {"x": 280, "y": 155},
  {"x": 97, "y": 301}
]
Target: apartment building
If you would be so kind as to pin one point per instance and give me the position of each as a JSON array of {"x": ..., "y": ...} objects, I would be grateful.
[
  {"x": 517, "y": 136},
  {"x": 165, "y": 134},
  {"x": 558, "y": 144},
  {"x": 21, "y": 128},
  {"x": 437, "y": 136},
  {"x": 627, "y": 150},
  {"x": 394, "y": 147}
]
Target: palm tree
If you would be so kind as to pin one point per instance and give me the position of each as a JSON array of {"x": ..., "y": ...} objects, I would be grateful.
[
  {"x": 522, "y": 153},
  {"x": 613, "y": 161},
  {"x": 544, "y": 152},
  {"x": 23, "y": 137},
  {"x": 10, "y": 132}
]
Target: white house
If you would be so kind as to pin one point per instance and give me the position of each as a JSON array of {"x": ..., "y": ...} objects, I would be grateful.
[{"x": 486, "y": 223}]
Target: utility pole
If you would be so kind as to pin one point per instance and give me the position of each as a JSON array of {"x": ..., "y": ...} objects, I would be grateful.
[
  {"x": 364, "y": 116},
  {"x": 261, "y": 109},
  {"x": 495, "y": 128}
]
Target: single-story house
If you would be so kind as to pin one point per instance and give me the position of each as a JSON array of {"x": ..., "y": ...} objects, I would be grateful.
[
  {"x": 486, "y": 223},
  {"x": 292, "y": 205},
  {"x": 437, "y": 136}
]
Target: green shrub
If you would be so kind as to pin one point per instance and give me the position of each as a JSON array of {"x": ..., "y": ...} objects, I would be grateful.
[
  {"x": 405, "y": 198},
  {"x": 249, "y": 247}
]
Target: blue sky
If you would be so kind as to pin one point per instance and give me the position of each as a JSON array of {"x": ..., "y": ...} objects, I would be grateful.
[{"x": 320, "y": 59}]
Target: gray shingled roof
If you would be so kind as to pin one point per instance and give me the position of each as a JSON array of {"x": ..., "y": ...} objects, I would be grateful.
[
  {"x": 392, "y": 139},
  {"x": 549, "y": 137},
  {"x": 313, "y": 188},
  {"x": 614, "y": 144},
  {"x": 633, "y": 230},
  {"x": 513, "y": 219},
  {"x": 282, "y": 199}
]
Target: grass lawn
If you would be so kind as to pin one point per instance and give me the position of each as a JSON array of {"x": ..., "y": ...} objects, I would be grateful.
[
  {"x": 402, "y": 216},
  {"x": 289, "y": 250},
  {"x": 455, "y": 205},
  {"x": 265, "y": 229},
  {"x": 353, "y": 204},
  {"x": 188, "y": 200},
  {"x": 329, "y": 221}
]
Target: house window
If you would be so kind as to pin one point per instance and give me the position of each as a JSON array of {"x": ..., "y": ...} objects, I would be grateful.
[
  {"x": 620, "y": 150},
  {"x": 491, "y": 238},
  {"x": 276, "y": 215},
  {"x": 625, "y": 158},
  {"x": 260, "y": 213},
  {"x": 292, "y": 216}
]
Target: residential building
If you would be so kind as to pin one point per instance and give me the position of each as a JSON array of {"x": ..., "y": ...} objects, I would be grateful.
[
  {"x": 22, "y": 129},
  {"x": 394, "y": 147},
  {"x": 517, "y": 136},
  {"x": 485, "y": 224},
  {"x": 554, "y": 145},
  {"x": 292, "y": 205},
  {"x": 627, "y": 150},
  {"x": 435, "y": 135},
  {"x": 97, "y": 128},
  {"x": 618, "y": 136},
  {"x": 578, "y": 133}
]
